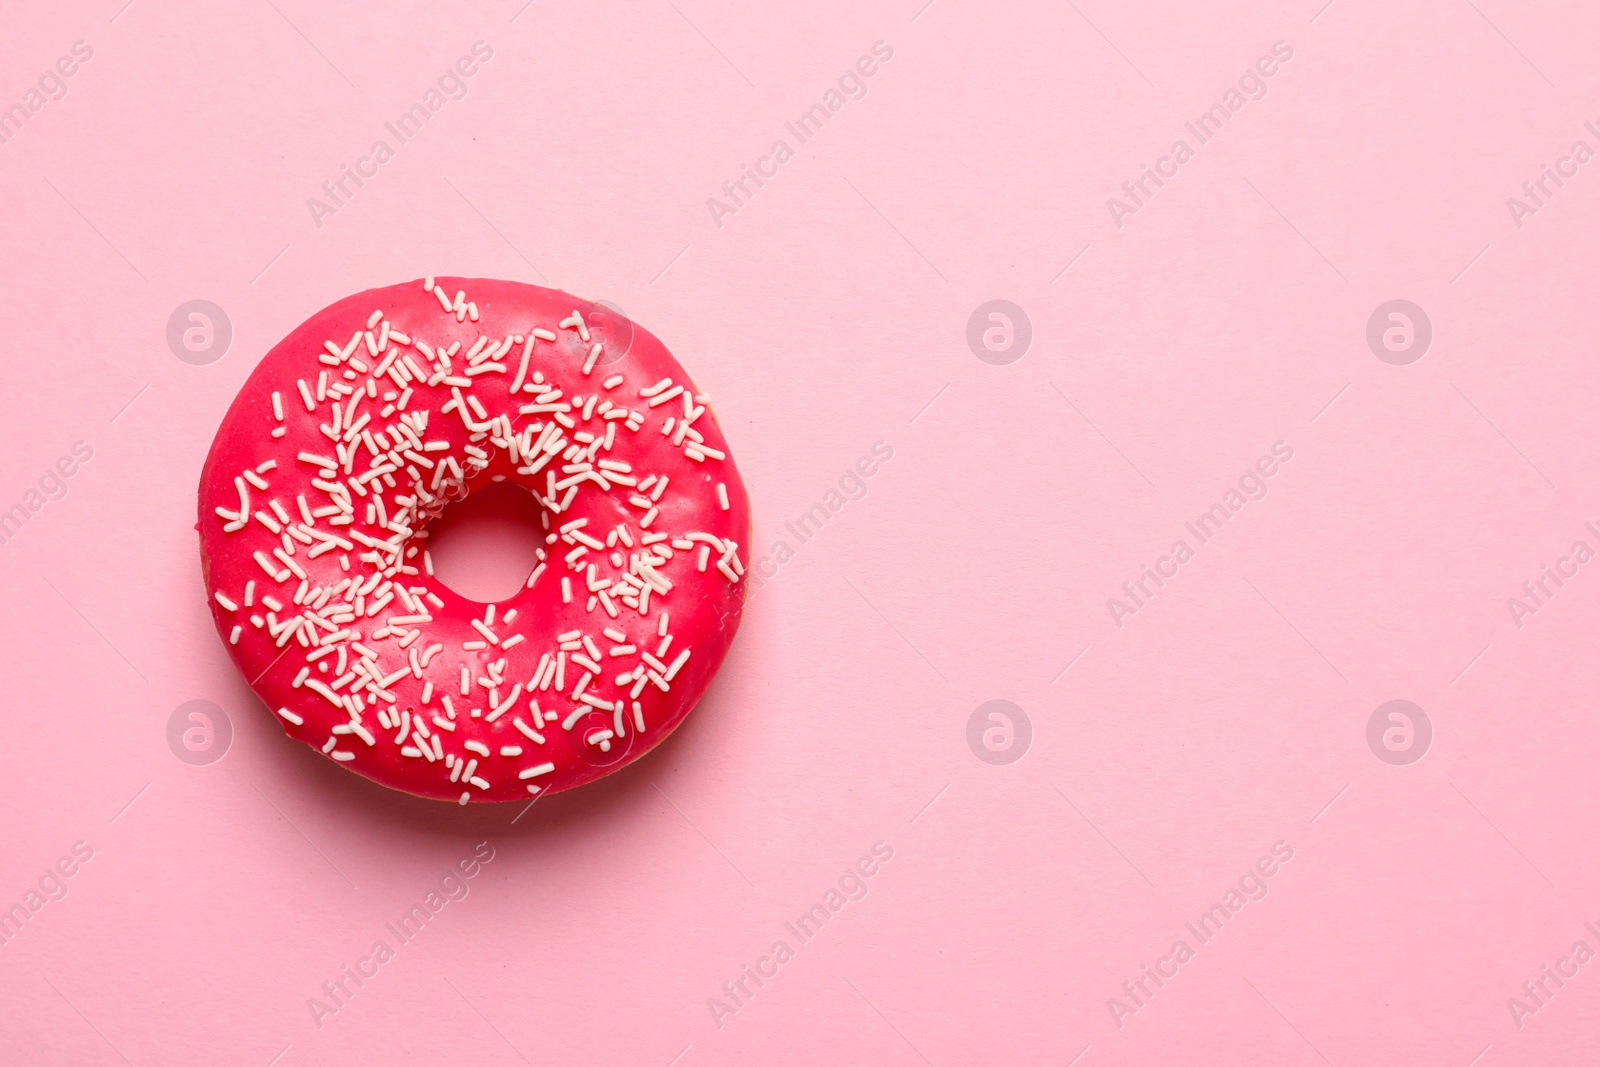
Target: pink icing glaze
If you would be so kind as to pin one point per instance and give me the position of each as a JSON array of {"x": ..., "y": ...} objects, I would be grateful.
[{"x": 703, "y": 607}]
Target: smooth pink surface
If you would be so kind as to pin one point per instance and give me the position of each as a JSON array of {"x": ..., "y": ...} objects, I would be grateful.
[{"x": 827, "y": 313}]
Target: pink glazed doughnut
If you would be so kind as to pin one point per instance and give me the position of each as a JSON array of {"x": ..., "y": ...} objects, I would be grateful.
[{"x": 361, "y": 426}]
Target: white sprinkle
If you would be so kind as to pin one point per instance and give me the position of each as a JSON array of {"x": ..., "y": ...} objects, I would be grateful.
[
  {"x": 722, "y": 495},
  {"x": 534, "y": 772},
  {"x": 505, "y": 705},
  {"x": 522, "y": 368},
  {"x": 574, "y": 321},
  {"x": 267, "y": 566},
  {"x": 683, "y": 657}
]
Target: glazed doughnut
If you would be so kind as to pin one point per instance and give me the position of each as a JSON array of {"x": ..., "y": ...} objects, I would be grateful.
[{"x": 361, "y": 426}]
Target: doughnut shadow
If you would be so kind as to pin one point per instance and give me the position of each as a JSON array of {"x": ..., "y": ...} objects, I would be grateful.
[{"x": 283, "y": 768}]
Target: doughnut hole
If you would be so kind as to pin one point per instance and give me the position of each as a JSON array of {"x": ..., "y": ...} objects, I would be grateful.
[{"x": 484, "y": 546}]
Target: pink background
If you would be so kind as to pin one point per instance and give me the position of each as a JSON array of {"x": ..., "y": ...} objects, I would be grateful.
[{"x": 829, "y": 313}]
